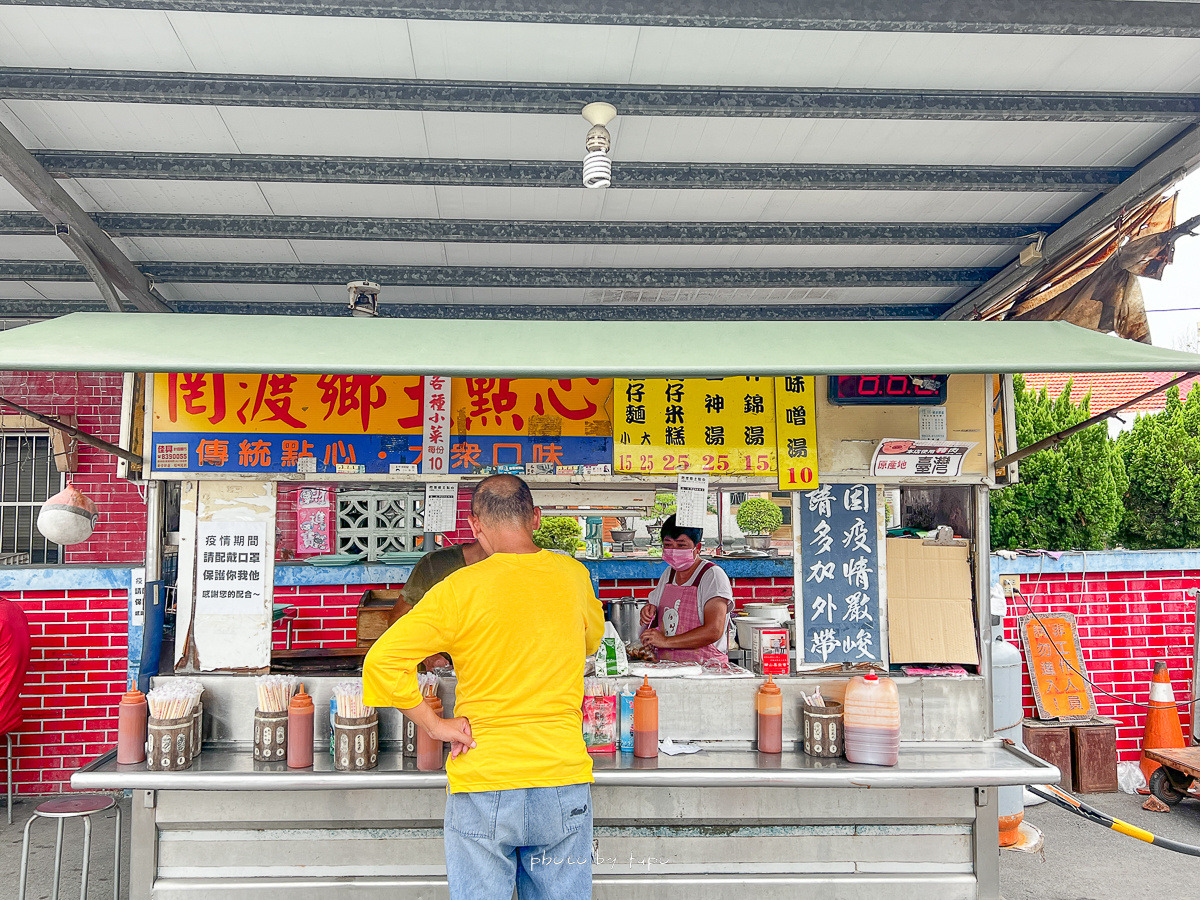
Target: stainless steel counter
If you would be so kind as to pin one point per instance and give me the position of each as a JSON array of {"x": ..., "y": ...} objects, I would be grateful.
[{"x": 978, "y": 764}]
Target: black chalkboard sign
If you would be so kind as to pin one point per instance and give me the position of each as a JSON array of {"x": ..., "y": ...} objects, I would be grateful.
[{"x": 839, "y": 612}]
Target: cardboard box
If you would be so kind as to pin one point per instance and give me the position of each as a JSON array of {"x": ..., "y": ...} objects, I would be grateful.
[
  {"x": 930, "y": 614},
  {"x": 770, "y": 650}
]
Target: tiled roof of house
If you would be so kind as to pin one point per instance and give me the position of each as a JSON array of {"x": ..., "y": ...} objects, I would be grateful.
[{"x": 1109, "y": 390}]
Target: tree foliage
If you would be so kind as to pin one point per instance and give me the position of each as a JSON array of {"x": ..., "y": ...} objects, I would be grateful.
[
  {"x": 1069, "y": 496},
  {"x": 558, "y": 533},
  {"x": 1161, "y": 454}
]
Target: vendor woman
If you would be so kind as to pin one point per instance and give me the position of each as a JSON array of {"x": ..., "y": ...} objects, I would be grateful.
[{"x": 689, "y": 607}]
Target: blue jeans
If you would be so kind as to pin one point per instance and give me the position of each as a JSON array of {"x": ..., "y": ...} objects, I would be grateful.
[{"x": 538, "y": 839}]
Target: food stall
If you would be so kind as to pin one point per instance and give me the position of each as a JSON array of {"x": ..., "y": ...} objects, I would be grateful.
[{"x": 863, "y": 454}]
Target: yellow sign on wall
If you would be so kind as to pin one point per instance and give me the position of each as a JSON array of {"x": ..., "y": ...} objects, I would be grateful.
[
  {"x": 796, "y": 433},
  {"x": 725, "y": 426}
]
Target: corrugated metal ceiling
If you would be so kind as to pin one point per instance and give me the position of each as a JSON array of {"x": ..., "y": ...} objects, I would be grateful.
[{"x": 1051, "y": 153}]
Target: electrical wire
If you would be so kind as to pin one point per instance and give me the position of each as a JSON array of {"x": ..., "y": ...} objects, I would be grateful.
[
  {"x": 1067, "y": 662},
  {"x": 1063, "y": 800}
]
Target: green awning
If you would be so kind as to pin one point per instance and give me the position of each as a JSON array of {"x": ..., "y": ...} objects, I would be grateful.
[{"x": 164, "y": 342}]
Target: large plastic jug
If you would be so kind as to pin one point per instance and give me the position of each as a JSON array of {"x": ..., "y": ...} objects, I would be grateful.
[{"x": 871, "y": 720}]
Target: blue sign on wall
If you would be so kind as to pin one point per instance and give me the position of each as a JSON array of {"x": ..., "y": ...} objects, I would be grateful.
[{"x": 838, "y": 610}]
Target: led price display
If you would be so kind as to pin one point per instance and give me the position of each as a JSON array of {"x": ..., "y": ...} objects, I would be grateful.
[{"x": 897, "y": 390}]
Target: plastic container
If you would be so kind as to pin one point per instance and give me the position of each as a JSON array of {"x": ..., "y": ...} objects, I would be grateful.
[
  {"x": 645, "y": 721},
  {"x": 626, "y": 736},
  {"x": 132, "y": 713},
  {"x": 300, "y": 731},
  {"x": 769, "y": 703},
  {"x": 430, "y": 752},
  {"x": 871, "y": 720},
  {"x": 270, "y": 736}
]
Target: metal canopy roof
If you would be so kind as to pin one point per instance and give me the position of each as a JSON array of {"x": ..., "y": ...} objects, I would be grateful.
[
  {"x": 867, "y": 159},
  {"x": 155, "y": 342}
]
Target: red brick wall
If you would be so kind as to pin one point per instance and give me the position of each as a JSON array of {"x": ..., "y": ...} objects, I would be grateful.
[
  {"x": 1126, "y": 621},
  {"x": 76, "y": 678},
  {"x": 95, "y": 398},
  {"x": 325, "y": 614}
]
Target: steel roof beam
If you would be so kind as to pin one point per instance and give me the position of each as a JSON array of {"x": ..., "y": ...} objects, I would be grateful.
[
  {"x": 532, "y": 173},
  {"x": 311, "y": 92},
  {"x": 374, "y": 228},
  {"x": 1153, "y": 177},
  {"x": 516, "y": 276},
  {"x": 1086, "y": 17},
  {"x": 65, "y": 218},
  {"x": 30, "y": 309}
]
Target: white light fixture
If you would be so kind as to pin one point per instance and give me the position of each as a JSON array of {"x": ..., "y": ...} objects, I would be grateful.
[
  {"x": 364, "y": 298},
  {"x": 597, "y": 166}
]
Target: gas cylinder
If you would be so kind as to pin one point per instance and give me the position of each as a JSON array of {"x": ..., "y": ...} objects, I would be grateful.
[{"x": 1007, "y": 715}]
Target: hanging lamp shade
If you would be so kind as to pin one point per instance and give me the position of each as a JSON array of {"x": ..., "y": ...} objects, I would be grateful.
[{"x": 68, "y": 517}]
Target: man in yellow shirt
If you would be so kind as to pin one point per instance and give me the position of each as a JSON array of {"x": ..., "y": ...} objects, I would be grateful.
[{"x": 519, "y": 625}]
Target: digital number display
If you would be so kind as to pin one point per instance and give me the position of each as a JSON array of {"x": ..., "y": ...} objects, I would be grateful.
[{"x": 896, "y": 390}]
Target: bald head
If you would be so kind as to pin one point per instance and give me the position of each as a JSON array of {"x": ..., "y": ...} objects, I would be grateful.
[{"x": 503, "y": 501}]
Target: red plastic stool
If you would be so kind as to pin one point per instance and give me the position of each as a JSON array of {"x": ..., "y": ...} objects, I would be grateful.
[{"x": 73, "y": 806}]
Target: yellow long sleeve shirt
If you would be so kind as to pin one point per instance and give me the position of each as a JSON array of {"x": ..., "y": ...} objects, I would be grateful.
[{"x": 518, "y": 626}]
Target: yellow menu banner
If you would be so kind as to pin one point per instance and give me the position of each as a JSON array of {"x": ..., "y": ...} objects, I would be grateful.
[
  {"x": 725, "y": 426},
  {"x": 796, "y": 433}
]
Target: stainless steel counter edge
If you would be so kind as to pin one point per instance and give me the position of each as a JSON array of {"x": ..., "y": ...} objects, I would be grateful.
[{"x": 104, "y": 774}]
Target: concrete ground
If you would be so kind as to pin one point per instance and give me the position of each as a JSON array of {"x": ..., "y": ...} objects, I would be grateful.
[
  {"x": 1080, "y": 861},
  {"x": 1085, "y": 861},
  {"x": 41, "y": 853}
]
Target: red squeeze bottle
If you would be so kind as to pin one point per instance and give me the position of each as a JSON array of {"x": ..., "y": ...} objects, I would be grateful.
[
  {"x": 430, "y": 752},
  {"x": 300, "y": 731},
  {"x": 645, "y": 721},
  {"x": 769, "y": 703},
  {"x": 132, "y": 713}
]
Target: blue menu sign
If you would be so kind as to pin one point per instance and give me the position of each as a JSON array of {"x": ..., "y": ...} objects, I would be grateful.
[{"x": 838, "y": 611}]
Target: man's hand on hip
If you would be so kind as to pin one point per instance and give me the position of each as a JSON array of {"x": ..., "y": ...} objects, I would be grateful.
[{"x": 455, "y": 732}]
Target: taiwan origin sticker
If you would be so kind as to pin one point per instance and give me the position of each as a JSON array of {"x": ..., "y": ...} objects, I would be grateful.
[{"x": 170, "y": 456}]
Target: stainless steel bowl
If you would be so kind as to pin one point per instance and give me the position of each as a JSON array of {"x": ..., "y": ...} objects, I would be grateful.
[{"x": 623, "y": 613}]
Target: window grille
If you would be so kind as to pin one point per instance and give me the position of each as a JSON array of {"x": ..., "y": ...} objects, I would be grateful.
[
  {"x": 375, "y": 522},
  {"x": 28, "y": 478}
]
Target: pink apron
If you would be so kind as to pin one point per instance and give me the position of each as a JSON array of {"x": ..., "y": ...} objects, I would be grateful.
[{"x": 678, "y": 613}]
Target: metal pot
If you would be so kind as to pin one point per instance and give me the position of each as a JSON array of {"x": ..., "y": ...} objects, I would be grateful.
[
  {"x": 623, "y": 613},
  {"x": 622, "y": 535}
]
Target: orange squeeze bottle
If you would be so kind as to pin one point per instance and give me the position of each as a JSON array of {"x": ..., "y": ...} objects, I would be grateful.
[{"x": 645, "y": 721}]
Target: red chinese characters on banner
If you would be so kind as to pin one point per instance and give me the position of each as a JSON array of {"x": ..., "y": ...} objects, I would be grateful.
[
  {"x": 198, "y": 393},
  {"x": 435, "y": 445}
]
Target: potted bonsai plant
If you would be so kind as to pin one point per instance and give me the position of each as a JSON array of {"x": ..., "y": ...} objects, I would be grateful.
[
  {"x": 559, "y": 533},
  {"x": 757, "y": 517}
]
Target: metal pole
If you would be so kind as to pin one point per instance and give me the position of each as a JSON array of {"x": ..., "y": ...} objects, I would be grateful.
[
  {"x": 154, "y": 531},
  {"x": 983, "y": 594}
]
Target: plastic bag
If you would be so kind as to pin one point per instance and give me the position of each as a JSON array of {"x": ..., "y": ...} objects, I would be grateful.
[
  {"x": 1130, "y": 778},
  {"x": 611, "y": 658}
]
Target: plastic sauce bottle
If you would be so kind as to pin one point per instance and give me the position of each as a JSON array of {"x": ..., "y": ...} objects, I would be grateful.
[
  {"x": 300, "y": 731},
  {"x": 645, "y": 721},
  {"x": 430, "y": 752},
  {"x": 132, "y": 713},
  {"x": 769, "y": 703},
  {"x": 626, "y": 701},
  {"x": 871, "y": 716}
]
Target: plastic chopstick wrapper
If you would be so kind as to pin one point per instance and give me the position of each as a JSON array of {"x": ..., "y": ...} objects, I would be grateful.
[
  {"x": 349, "y": 697},
  {"x": 275, "y": 692},
  {"x": 175, "y": 699}
]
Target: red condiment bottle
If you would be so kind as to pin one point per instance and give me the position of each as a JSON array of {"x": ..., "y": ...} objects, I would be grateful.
[
  {"x": 300, "y": 731},
  {"x": 645, "y": 721},
  {"x": 430, "y": 752},
  {"x": 132, "y": 713},
  {"x": 769, "y": 703}
]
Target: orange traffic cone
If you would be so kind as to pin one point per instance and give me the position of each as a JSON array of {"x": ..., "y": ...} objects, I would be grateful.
[{"x": 1163, "y": 730}]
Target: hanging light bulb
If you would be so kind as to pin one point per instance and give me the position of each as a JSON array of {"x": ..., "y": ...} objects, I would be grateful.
[
  {"x": 597, "y": 165},
  {"x": 68, "y": 517}
]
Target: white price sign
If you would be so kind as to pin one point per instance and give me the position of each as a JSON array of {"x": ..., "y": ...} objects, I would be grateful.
[
  {"x": 691, "y": 500},
  {"x": 441, "y": 507}
]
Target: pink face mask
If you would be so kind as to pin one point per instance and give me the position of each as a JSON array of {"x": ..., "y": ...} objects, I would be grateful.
[{"x": 679, "y": 560}]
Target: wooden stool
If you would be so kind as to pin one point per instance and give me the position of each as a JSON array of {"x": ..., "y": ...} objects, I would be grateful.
[{"x": 70, "y": 807}]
